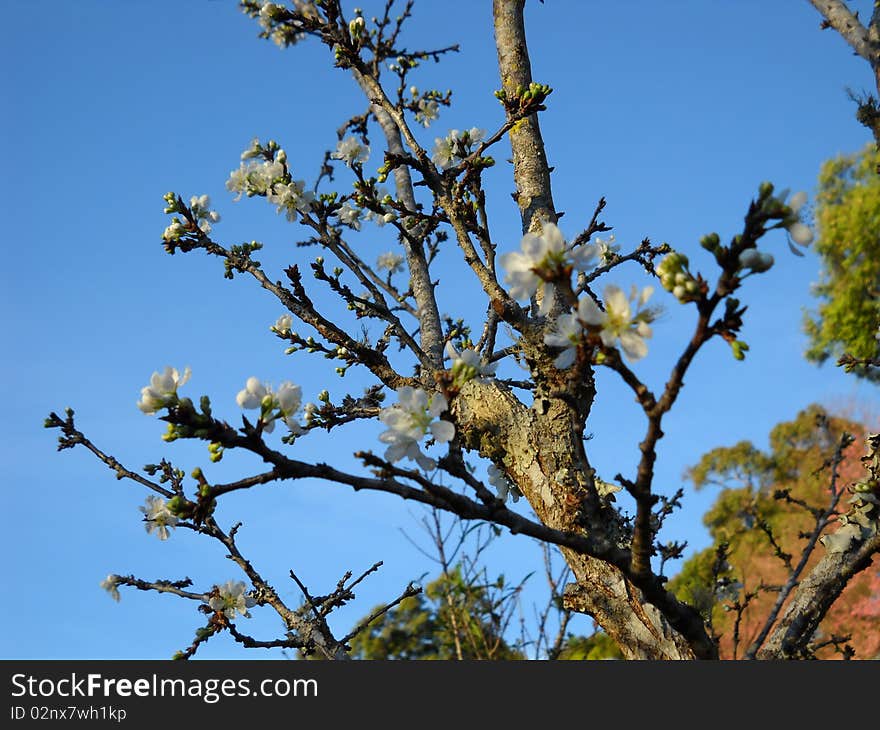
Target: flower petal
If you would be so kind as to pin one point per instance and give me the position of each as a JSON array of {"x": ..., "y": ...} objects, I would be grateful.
[{"x": 442, "y": 431}]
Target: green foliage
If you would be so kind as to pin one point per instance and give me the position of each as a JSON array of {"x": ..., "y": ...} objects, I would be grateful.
[
  {"x": 741, "y": 463},
  {"x": 759, "y": 517},
  {"x": 452, "y": 619},
  {"x": 595, "y": 647},
  {"x": 848, "y": 223},
  {"x": 458, "y": 619}
]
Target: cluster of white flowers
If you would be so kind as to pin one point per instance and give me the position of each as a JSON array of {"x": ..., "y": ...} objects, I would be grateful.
[
  {"x": 455, "y": 146},
  {"x": 231, "y": 600},
  {"x": 200, "y": 206},
  {"x": 503, "y": 486},
  {"x": 291, "y": 198},
  {"x": 283, "y": 34},
  {"x": 410, "y": 420},
  {"x": 543, "y": 257},
  {"x": 254, "y": 177},
  {"x": 617, "y": 324},
  {"x": 468, "y": 364},
  {"x": 282, "y": 403},
  {"x": 157, "y": 517},
  {"x": 111, "y": 585},
  {"x": 260, "y": 176},
  {"x": 390, "y": 262},
  {"x": 351, "y": 151},
  {"x": 349, "y": 216},
  {"x": 162, "y": 390}
]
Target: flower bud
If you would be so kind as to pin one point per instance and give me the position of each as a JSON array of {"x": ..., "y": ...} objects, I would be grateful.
[{"x": 800, "y": 233}]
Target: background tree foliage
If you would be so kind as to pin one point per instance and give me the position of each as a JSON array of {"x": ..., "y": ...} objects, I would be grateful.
[
  {"x": 848, "y": 222},
  {"x": 452, "y": 619},
  {"x": 759, "y": 526}
]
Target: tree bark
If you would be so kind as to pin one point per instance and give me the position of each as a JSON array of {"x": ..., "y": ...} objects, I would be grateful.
[
  {"x": 541, "y": 449},
  {"x": 821, "y": 588},
  {"x": 531, "y": 174}
]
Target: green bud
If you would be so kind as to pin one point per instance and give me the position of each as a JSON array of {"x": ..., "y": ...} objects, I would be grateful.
[
  {"x": 739, "y": 349},
  {"x": 710, "y": 241},
  {"x": 179, "y": 506}
]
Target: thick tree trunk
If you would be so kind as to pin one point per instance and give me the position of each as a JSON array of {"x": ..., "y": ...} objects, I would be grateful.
[
  {"x": 541, "y": 449},
  {"x": 542, "y": 446}
]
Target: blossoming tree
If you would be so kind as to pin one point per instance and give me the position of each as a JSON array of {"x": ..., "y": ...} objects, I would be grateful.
[{"x": 508, "y": 392}]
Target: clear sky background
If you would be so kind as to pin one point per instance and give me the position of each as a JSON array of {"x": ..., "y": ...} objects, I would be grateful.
[{"x": 675, "y": 112}]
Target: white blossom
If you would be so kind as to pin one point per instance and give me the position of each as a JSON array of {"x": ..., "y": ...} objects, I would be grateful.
[
  {"x": 455, "y": 146},
  {"x": 283, "y": 403},
  {"x": 111, "y": 585},
  {"x": 231, "y": 600},
  {"x": 309, "y": 412},
  {"x": 174, "y": 231},
  {"x": 200, "y": 206},
  {"x": 349, "y": 216},
  {"x": 351, "y": 151},
  {"x": 757, "y": 261},
  {"x": 162, "y": 390},
  {"x": 429, "y": 110},
  {"x": 618, "y": 322},
  {"x": 567, "y": 333},
  {"x": 468, "y": 364},
  {"x": 799, "y": 232},
  {"x": 291, "y": 197},
  {"x": 288, "y": 399},
  {"x": 283, "y": 324},
  {"x": 503, "y": 486},
  {"x": 157, "y": 517},
  {"x": 391, "y": 262},
  {"x": 253, "y": 393},
  {"x": 606, "y": 248},
  {"x": 411, "y": 419},
  {"x": 255, "y": 177},
  {"x": 545, "y": 254},
  {"x": 444, "y": 152}
]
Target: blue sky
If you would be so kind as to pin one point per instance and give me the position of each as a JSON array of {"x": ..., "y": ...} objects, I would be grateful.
[{"x": 675, "y": 112}]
